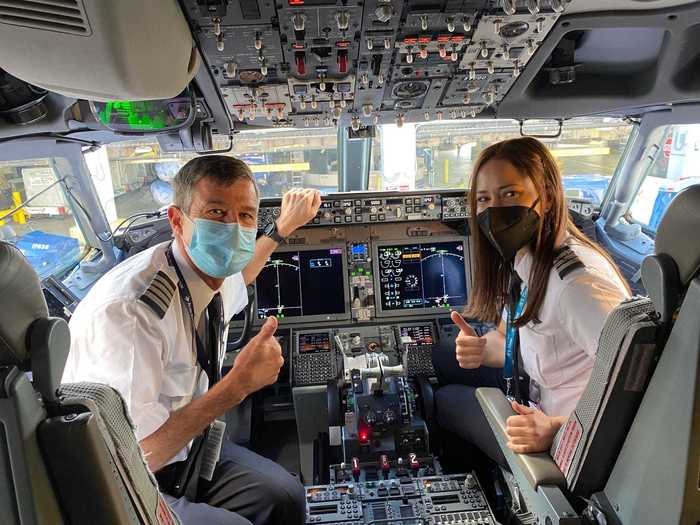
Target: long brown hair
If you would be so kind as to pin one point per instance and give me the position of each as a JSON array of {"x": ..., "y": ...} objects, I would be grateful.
[{"x": 488, "y": 294}]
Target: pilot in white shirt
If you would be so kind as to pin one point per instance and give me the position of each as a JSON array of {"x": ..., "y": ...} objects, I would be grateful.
[
  {"x": 547, "y": 287},
  {"x": 145, "y": 328},
  {"x": 131, "y": 332},
  {"x": 558, "y": 348}
]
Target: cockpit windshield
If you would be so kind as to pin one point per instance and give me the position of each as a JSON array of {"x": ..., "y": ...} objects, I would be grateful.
[{"x": 431, "y": 155}]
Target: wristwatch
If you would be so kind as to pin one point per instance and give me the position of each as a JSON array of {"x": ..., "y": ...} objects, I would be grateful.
[{"x": 273, "y": 233}]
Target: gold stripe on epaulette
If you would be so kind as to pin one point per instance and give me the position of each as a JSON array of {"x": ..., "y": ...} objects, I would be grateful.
[
  {"x": 163, "y": 278},
  {"x": 159, "y": 294}
]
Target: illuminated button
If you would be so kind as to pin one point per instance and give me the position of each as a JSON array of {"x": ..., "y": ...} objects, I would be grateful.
[
  {"x": 409, "y": 209},
  {"x": 348, "y": 219},
  {"x": 358, "y": 203},
  {"x": 358, "y": 218},
  {"x": 372, "y": 217},
  {"x": 317, "y": 220},
  {"x": 336, "y": 204},
  {"x": 416, "y": 200},
  {"x": 382, "y": 217},
  {"x": 336, "y": 219}
]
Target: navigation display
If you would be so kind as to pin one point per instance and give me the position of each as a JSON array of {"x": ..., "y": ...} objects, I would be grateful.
[
  {"x": 302, "y": 283},
  {"x": 422, "y": 275}
]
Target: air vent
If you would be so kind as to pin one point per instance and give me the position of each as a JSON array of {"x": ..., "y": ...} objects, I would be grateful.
[{"x": 63, "y": 16}]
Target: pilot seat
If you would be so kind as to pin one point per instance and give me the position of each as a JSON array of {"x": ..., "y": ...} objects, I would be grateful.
[
  {"x": 629, "y": 453},
  {"x": 68, "y": 453}
]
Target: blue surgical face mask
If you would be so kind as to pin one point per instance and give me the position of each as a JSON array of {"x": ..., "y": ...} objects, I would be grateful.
[{"x": 220, "y": 249}]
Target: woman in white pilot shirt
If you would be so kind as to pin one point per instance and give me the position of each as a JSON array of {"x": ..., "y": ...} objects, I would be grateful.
[{"x": 520, "y": 223}]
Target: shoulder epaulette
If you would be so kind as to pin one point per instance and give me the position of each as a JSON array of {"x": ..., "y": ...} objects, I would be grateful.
[
  {"x": 566, "y": 261},
  {"x": 159, "y": 294}
]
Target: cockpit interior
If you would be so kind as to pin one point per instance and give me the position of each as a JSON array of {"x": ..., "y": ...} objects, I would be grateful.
[{"x": 383, "y": 107}]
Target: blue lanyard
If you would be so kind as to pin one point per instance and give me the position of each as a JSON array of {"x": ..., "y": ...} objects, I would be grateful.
[{"x": 510, "y": 336}]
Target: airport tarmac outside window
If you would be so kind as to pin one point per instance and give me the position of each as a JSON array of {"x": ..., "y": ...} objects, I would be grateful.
[
  {"x": 674, "y": 168},
  {"x": 587, "y": 151},
  {"x": 141, "y": 173},
  {"x": 36, "y": 214}
]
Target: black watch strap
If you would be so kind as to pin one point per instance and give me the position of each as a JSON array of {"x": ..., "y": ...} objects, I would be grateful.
[{"x": 273, "y": 233}]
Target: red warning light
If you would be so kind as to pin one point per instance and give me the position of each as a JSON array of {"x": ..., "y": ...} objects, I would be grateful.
[
  {"x": 296, "y": 2},
  {"x": 364, "y": 436}
]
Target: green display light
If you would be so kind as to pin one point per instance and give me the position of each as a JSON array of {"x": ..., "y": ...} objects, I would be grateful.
[{"x": 142, "y": 116}]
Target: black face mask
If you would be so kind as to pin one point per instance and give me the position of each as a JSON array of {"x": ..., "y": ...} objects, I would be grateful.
[{"x": 509, "y": 228}]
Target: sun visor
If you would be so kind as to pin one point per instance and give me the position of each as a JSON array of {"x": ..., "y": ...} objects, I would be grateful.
[{"x": 99, "y": 50}]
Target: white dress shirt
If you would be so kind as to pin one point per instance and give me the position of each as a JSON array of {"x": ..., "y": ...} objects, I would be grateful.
[
  {"x": 120, "y": 340},
  {"x": 558, "y": 352}
]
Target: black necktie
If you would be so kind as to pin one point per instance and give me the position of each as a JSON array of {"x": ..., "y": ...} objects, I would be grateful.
[
  {"x": 215, "y": 312},
  {"x": 209, "y": 341}
]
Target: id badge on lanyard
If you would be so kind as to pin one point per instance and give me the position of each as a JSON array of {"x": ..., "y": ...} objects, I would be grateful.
[{"x": 511, "y": 332}]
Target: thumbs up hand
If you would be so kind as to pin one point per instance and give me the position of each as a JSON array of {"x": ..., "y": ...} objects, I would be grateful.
[
  {"x": 469, "y": 346},
  {"x": 259, "y": 363}
]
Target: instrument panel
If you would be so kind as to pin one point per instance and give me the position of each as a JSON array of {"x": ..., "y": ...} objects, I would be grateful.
[
  {"x": 384, "y": 208},
  {"x": 455, "y": 499}
]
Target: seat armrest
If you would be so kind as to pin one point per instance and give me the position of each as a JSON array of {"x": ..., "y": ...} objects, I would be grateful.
[{"x": 538, "y": 469}]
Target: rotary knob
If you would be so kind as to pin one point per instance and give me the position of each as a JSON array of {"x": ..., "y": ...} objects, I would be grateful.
[
  {"x": 348, "y": 211},
  {"x": 327, "y": 215},
  {"x": 373, "y": 209}
]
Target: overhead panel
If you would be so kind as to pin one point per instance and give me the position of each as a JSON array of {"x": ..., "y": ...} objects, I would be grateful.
[{"x": 309, "y": 63}]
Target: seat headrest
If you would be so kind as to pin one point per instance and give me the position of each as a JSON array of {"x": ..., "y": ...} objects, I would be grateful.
[
  {"x": 677, "y": 235},
  {"x": 22, "y": 304}
]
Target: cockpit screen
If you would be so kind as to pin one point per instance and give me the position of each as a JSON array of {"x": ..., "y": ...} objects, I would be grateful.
[
  {"x": 297, "y": 283},
  {"x": 416, "y": 334},
  {"x": 314, "y": 343},
  {"x": 422, "y": 275}
]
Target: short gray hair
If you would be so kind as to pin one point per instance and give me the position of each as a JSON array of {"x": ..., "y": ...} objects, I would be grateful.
[{"x": 221, "y": 169}]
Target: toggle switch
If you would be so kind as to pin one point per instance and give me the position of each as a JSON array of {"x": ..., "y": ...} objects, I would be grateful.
[
  {"x": 355, "y": 469},
  {"x": 230, "y": 69},
  {"x": 299, "y": 22},
  {"x": 343, "y": 20},
  {"x": 484, "y": 49},
  {"x": 533, "y": 6}
]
